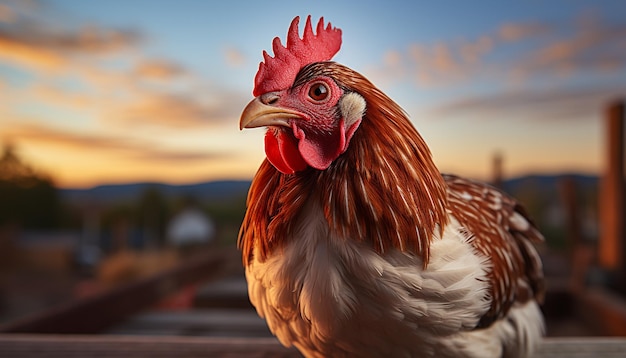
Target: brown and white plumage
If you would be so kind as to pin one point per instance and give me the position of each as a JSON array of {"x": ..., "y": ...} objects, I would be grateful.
[{"x": 363, "y": 248}]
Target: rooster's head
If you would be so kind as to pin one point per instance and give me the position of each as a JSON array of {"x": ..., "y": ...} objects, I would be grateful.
[{"x": 310, "y": 116}]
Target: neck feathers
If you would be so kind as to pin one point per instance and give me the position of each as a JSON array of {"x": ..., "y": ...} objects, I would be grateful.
[{"x": 384, "y": 190}]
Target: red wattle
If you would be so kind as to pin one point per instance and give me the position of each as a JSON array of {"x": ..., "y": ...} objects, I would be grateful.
[
  {"x": 292, "y": 153},
  {"x": 282, "y": 151},
  {"x": 320, "y": 151}
]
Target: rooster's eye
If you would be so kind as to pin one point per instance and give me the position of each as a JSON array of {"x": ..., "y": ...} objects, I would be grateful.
[{"x": 318, "y": 92}]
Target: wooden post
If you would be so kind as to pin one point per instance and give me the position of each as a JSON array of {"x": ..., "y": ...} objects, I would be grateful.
[
  {"x": 567, "y": 189},
  {"x": 497, "y": 179},
  {"x": 581, "y": 255},
  {"x": 612, "y": 249}
]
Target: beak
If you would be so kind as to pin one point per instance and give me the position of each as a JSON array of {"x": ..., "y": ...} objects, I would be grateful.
[{"x": 258, "y": 114}]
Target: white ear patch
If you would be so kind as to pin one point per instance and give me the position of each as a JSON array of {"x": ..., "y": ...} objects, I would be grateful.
[{"x": 352, "y": 107}]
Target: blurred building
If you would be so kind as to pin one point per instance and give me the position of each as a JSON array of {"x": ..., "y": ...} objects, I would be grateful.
[{"x": 190, "y": 227}]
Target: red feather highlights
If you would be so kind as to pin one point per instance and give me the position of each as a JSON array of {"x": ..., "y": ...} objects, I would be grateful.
[{"x": 279, "y": 72}]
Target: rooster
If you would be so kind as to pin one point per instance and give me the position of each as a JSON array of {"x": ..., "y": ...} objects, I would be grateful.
[{"x": 354, "y": 244}]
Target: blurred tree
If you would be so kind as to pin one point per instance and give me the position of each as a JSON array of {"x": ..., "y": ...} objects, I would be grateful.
[
  {"x": 153, "y": 213},
  {"x": 228, "y": 215},
  {"x": 119, "y": 219},
  {"x": 27, "y": 198}
]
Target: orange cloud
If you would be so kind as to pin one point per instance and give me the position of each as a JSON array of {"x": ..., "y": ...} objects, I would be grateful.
[
  {"x": 513, "y": 54},
  {"x": 158, "y": 70},
  {"x": 6, "y": 13},
  {"x": 178, "y": 110},
  {"x": 512, "y": 32},
  {"x": 170, "y": 110},
  {"x": 111, "y": 104},
  {"x": 22, "y": 54},
  {"x": 124, "y": 147},
  {"x": 234, "y": 57},
  {"x": 554, "y": 104},
  {"x": 88, "y": 158},
  {"x": 43, "y": 49},
  {"x": 112, "y": 94},
  {"x": 473, "y": 52},
  {"x": 592, "y": 46},
  {"x": 52, "y": 95},
  {"x": 443, "y": 63}
]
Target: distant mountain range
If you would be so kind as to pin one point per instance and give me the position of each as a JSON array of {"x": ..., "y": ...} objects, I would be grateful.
[
  {"x": 550, "y": 182},
  {"x": 214, "y": 190},
  {"x": 226, "y": 189}
]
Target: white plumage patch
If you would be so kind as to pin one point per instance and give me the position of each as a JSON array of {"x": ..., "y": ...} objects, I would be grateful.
[
  {"x": 515, "y": 336},
  {"x": 352, "y": 107},
  {"x": 333, "y": 296},
  {"x": 519, "y": 222}
]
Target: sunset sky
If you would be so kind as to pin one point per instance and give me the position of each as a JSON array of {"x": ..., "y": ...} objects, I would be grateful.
[{"x": 96, "y": 92}]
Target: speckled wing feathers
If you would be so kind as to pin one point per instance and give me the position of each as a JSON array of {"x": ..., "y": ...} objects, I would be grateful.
[{"x": 500, "y": 229}]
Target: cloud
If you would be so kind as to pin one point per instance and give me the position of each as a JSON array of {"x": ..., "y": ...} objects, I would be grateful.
[
  {"x": 167, "y": 110},
  {"x": 17, "y": 53},
  {"x": 6, "y": 13},
  {"x": 89, "y": 40},
  {"x": 90, "y": 101},
  {"x": 473, "y": 51},
  {"x": 234, "y": 57},
  {"x": 512, "y": 32},
  {"x": 524, "y": 70},
  {"x": 44, "y": 49},
  {"x": 592, "y": 46},
  {"x": 12, "y": 11},
  {"x": 533, "y": 104},
  {"x": 443, "y": 63},
  {"x": 103, "y": 72},
  {"x": 186, "y": 110},
  {"x": 514, "y": 52},
  {"x": 158, "y": 70},
  {"x": 124, "y": 147}
]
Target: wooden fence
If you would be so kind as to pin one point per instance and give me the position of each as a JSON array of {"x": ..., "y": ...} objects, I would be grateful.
[
  {"x": 71, "y": 330},
  {"x": 97, "y": 346}
]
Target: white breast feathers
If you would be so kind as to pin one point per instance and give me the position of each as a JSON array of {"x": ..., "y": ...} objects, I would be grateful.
[{"x": 332, "y": 296}]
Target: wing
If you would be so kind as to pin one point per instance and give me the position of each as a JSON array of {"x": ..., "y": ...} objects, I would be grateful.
[{"x": 500, "y": 229}]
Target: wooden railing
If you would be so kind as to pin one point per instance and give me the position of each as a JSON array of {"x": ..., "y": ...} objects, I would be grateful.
[
  {"x": 97, "y": 313},
  {"x": 70, "y": 346},
  {"x": 72, "y": 330}
]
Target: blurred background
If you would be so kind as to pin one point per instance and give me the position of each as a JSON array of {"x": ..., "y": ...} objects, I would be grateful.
[{"x": 123, "y": 174}]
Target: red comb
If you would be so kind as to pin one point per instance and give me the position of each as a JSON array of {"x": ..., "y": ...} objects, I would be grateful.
[{"x": 279, "y": 72}]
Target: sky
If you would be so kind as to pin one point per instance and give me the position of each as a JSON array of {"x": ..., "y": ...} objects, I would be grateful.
[{"x": 95, "y": 92}]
